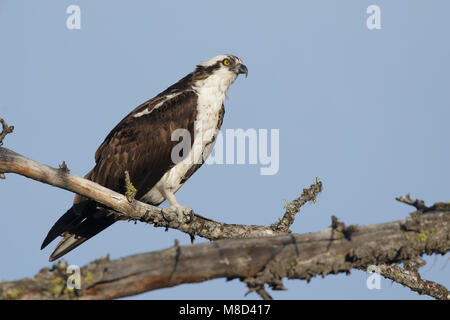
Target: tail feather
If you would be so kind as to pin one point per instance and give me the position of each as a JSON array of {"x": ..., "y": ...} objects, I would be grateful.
[
  {"x": 68, "y": 243},
  {"x": 70, "y": 219},
  {"x": 78, "y": 224}
]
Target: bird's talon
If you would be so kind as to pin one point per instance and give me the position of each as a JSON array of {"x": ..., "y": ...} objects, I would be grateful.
[
  {"x": 165, "y": 217},
  {"x": 181, "y": 213},
  {"x": 191, "y": 216}
]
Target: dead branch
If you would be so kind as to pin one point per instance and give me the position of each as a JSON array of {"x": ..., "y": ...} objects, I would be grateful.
[
  {"x": 265, "y": 257},
  {"x": 5, "y": 130},
  {"x": 131, "y": 209},
  {"x": 418, "y": 204},
  {"x": 256, "y": 261},
  {"x": 292, "y": 208},
  {"x": 411, "y": 278}
]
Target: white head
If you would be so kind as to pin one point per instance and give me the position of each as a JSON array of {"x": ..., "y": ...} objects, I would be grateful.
[
  {"x": 219, "y": 72},
  {"x": 224, "y": 63}
]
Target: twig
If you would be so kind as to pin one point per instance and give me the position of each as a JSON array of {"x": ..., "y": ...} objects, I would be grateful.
[
  {"x": 292, "y": 208},
  {"x": 412, "y": 279},
  {"x": 63, "y": 167},
  {"x": 130, "y": 190},
  {"x": 339, "y": 226},
  {"x": 264, "y": 294},
  {"x": 418, "y": 204},
  {"x": 5, "y": 130}
]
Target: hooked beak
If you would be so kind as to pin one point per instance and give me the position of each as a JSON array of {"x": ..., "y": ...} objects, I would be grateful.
[{"x": 241, "y": 69}]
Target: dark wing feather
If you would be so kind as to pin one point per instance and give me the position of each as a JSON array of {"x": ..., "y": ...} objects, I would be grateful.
[{"x": 140, "y": 145}]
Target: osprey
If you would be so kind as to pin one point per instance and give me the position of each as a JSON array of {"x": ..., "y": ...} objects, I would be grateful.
[{"x": 142, "y": 145}]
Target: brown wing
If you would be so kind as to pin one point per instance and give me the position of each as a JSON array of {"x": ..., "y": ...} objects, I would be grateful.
[{"x": 142, "y": 146}]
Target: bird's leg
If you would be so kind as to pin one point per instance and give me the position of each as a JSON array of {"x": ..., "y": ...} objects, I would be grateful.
[{"x": 183, "y": 213}]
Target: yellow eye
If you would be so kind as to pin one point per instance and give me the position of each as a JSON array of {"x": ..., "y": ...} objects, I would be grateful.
[{"x": 226, "y": 62}]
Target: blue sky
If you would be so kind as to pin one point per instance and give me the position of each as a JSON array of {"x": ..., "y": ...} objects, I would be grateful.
[{"x": 365, "y": 110}]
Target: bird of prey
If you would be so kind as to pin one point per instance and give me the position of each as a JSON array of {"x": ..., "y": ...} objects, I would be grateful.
[{"x": 141, "y": 144}]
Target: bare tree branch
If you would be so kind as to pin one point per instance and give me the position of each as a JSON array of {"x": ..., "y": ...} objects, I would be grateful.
[
  {"x": 131, "y": 209},
  {"x": 256, "y": 261},
  {"x": 5, "y": 130},
  {"x": 267, "y": 256},
  {"x": 412, "y": 279},
  {"x": 418, "y": 204},
  {"x": 292, "y": 208}
]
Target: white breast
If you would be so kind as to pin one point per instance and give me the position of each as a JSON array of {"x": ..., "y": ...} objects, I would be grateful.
[{"x": 211, "y": 92}]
